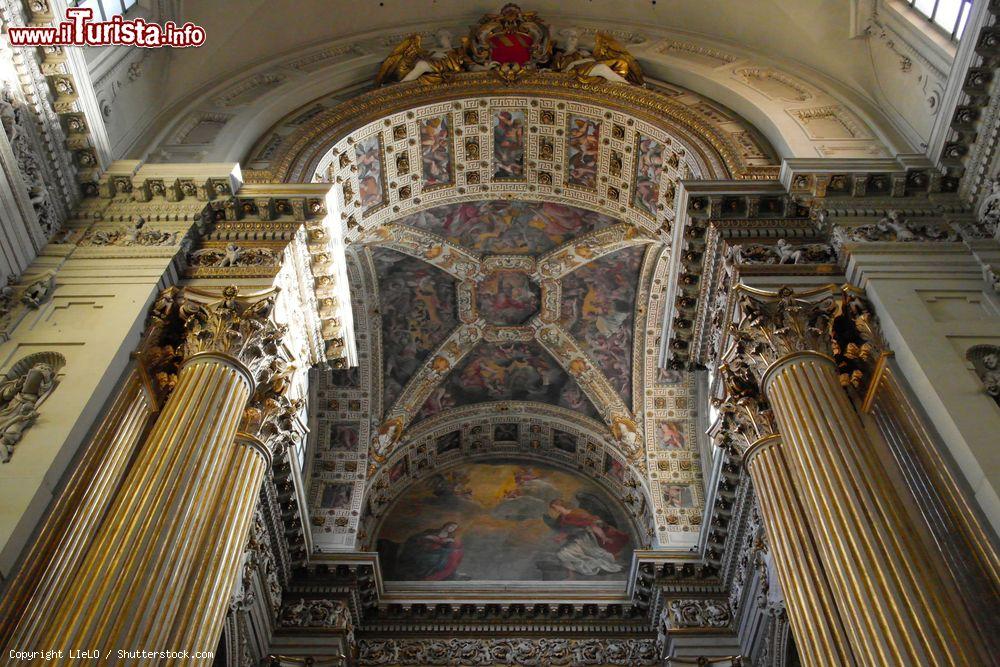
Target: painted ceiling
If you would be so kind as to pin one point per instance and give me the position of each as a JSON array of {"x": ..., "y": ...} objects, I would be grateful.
[{"x": 510, "y": 295}]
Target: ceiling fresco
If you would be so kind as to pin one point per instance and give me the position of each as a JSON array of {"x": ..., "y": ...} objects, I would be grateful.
[
  {"x": 507, "y": 227},
  {"x": 509, "y": 372},
  {"x": 598, "y": 308},
  {"x": 526, "y": 328},
  {"x": 418, "y": 312}
]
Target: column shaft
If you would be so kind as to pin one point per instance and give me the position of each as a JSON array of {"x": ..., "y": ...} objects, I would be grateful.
[
  {"x": 68, "y": 531},
  {"x": 219, "y": 552},
  {"x": 130, "y": 584},
  {"x": 812, "y": 613},
  {"x": 894, "y": 606}
]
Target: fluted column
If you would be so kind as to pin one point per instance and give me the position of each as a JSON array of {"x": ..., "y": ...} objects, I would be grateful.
[
  {"x": 56, "y": 554},
  {"x": 746, "y": 428},
  {"x": 220, "y": 550},
  {"x": 795, "y": 351},
  {"x": 816, "y": 623},
  {"x": 131, "y": 589},
  {"x": 267, "y": 429}
]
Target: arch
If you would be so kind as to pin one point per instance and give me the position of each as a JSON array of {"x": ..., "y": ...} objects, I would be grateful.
[
  {"x": 545, "y": 433},
  {"x": 545, "y": 436}
]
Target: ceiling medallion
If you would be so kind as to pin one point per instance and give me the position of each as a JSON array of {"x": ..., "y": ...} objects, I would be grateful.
[{"x": 510, "y": 44}]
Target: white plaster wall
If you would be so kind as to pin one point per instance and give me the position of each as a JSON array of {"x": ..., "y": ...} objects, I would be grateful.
[
  {"x": 933, "y": 305},
  {"x": 94, "y": 319}
]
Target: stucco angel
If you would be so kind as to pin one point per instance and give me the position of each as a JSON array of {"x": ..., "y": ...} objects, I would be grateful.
[
  {"x": 18, "y": 398},
  {"x": 410, "y": 61},
  {"x": 608, "y": 61}
]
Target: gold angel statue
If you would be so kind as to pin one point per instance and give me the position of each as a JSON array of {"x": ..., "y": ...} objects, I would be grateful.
[
  {"x": 410, "y": 61},
  {"x": 608, "y": 61}
]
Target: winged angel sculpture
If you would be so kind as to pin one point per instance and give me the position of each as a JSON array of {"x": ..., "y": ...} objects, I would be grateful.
[
  {"x": 509, "y": 44},
  {"x": 409, "y": 61}
]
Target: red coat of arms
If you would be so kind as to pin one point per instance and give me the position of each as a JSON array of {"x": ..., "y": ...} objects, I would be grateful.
[
  {"x": 512, "y": 37},
  {"x": 511, "y": 48}
]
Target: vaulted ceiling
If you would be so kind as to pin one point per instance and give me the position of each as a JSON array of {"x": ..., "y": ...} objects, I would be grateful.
[{"x": 529, "y": 267}]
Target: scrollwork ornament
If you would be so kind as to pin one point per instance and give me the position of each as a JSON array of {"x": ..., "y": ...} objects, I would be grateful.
[
  {"x": 698, "y": 613},
  {"x": 508, "y": 651}
]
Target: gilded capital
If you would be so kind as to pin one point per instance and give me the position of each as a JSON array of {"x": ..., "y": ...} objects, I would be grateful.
[
  {"x": 830, "y": 321},
  {"x": 229, "y": 324},
  {"x": 833, "y": 322},
  {"x": 271, "y": 416},
  {"x": 745, "y": 416},
  {"x": 185, "y": 323}
]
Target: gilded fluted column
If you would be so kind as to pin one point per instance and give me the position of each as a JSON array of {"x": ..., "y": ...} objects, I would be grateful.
[
  {"x": 746, "y": 428},
  {"x": 55, "y": 556},
  {"x": 131, "y": 584},
  {"x": 819, "y": 632},
  {"x": 266, "y": 430},
  {"x": 208, "y": 592},
  {"x": 896, "y": 608}
]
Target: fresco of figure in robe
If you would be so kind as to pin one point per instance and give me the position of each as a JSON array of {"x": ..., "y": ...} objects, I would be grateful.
[
  {"x": 433, "y": 554},
  {"x": 505, "y": 520}
]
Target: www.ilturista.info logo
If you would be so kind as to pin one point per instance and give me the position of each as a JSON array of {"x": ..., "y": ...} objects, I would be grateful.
[{"x": 79, "y": 30}]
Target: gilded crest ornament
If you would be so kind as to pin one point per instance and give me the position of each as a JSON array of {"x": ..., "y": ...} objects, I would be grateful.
[{"x": 510, "y": 44}]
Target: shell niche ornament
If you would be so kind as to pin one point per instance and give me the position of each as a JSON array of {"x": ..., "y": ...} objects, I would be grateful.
[{"x": 626, "y": 432}]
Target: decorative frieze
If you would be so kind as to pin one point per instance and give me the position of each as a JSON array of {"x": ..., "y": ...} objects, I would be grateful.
[
  {"x": 326, "y": 614},
  {"x": 136, "y": 234},
  {"x": 784, "y": 252},
  {"x": 512, "y": 651},
  {"x": 893, "y": 227},
  {"x": 698, "y": 613}
]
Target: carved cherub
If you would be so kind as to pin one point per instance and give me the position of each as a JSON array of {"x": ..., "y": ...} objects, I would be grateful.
[
  {"x": 37, "y": 292},
  {"x": 19, "y": 397},
  {"x": 608, "y": 61},
  {"x": 894, "y": 222},
  {"x": 410, "y": 61}
]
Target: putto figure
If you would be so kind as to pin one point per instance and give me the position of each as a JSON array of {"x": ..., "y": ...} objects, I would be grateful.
[{"x": 608, "y": 61}]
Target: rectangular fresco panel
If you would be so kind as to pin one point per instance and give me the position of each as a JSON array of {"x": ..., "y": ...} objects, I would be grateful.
[
  {"x": 669, "y": 435},
  {"x": 668, "y": 377},
  {"x": 505, "y": 433},
  {"x": 505, "y": 521},
  {"x": 371, "y": 188},
  {"x": 678, "y": 495},
  {"x": 582, "y": 145},
  {"x": 435, "y": 151},
  {"x": 648, "y": 168},
  {"x": 449, "y": 442},
  {"x": 343, "y": 437},
  {"x": 336, "y": 495},
  {"x": 564, "y": 441},
  {"x": 614, "y": 469},
  {"x": 508, "y": 143}
]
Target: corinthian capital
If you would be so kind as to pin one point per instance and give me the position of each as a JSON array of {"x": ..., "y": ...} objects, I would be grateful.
[
  {"x": 828, "y": 320},
  {"x": 231, "y": 324}
]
